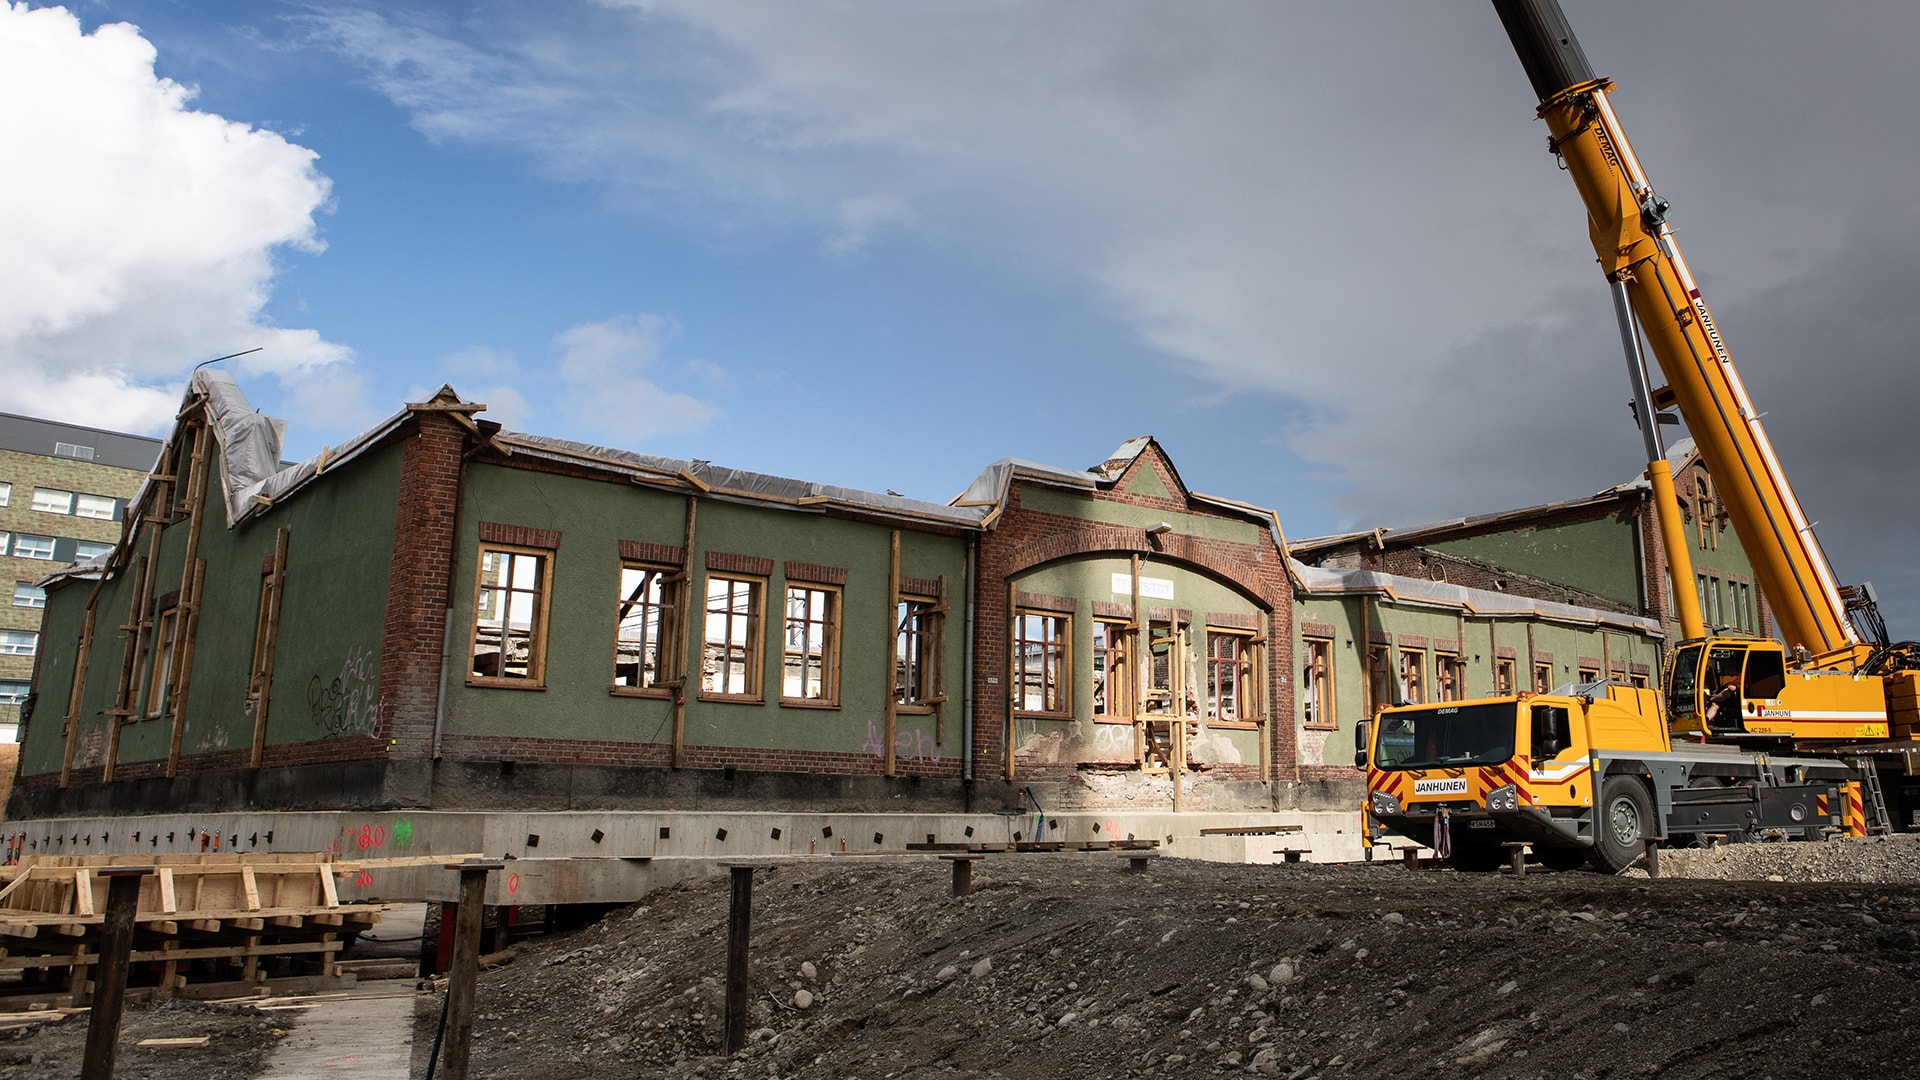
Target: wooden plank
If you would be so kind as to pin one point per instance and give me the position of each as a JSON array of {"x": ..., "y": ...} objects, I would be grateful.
[
  {"x": 329, "y": 895},
  {"x": 169, "y": 901},
  {"x": 176, "y": 1043},
  {"x": 83, "y": 892},
  {"x": 250, "y": 888}
]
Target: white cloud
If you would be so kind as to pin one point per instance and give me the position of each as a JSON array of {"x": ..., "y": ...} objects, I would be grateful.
[
  {"x": 600, "y": 365},
  {"x": 860, "y": 217},
  {"x": 138, "y": 234}
]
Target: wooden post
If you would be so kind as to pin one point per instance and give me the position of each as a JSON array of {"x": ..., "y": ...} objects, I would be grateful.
[
  {"x": 962, "y": 873},
  {"x": 278, "y": 583},
  {"x": 939, "y": 682},
  {"x": 1261, "y": 671},
  {"x": 1531, "y": 662},
  {"x": 110, "y": 994},
  {"x": 129, "y": 687},
  {"x": 739, "y": 920},
  {"x": 78, "y": 693},
  {"x": 1141, "y": 642},
  {"x": 465, "y": 970},
  {"x": 1493, "y": 658},
  {"x": 1368, "y": 705},
  {"x": 893, "y": 611},
  {"x": 1177, "y": 684},
  {"x": 183, "y": 676},
  {"x": 1606, "y": 654},
  {"x": 694, "y": 638},
  {"x": 1012, "y": 687}
]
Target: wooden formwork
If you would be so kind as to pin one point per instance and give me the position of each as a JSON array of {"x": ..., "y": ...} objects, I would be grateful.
[{"x": 230, "y": 920}]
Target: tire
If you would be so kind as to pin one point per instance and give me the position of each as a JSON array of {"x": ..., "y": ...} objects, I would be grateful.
[
  {"x": 1561, "y": 858},
  {"x": 1624, "y": 814}
]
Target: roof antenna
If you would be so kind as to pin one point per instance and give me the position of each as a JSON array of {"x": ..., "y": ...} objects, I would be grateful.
[{"x": 229, "y": 356}]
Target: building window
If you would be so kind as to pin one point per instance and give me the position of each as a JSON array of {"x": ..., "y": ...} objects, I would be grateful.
[
  {"x": 25, "y": 595},
  {"x": 730, "y": 664},
  {"x": 1502, "y": 677},
  {"x": 14, "y": 691},
  {"x": 1450, "y": 675},
  {"x": 19, "y": 642},
  {"x": 73, "y": 450},
  {"x": 1589, "y": 674},
  {"x": 165, "y": 630},
  {"x": 1637, "y": 678},
  {"x": 1542, "y": 678},
  {"x": 1231, "y": 694},
  {"x": 916, "y": 653},
  {"x": 509, "y": 645},
  {"x": 52, "y": 501},
  {"x": 29, "y": 546},
  {"x": 1040, "y": 662},
  {"x": 6, "y": 494},
  {"x": 1316, "y": 682},
  {"x": 87, "y": 549},
  {"x": 1413, "y": 676},
  {"x": 646, "y": 630},
  {"x": 1112, "y": 669},
  {"x": 1380, "y": 676},
  {"x": 99, "y": 507},
  {"x": 1703, "y": 525},
  {"x": 810, "y": 654},
  {"x": 1743, "y": 618}
]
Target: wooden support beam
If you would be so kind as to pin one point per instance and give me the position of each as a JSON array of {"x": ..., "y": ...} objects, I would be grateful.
[
  {"x": 183, "y": 675},
  {"x": 71, "y": 726},
  {"x": 263, "y": 696},
  {"x": 892, "y": 715},
  {"x": 465, "y": 971},
  {"x": 116, "y": 942},
  {"x": 692, "y": 635}
]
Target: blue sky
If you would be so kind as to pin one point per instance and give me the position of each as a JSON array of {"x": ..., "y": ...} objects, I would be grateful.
[{"x": 1316, "y": 249}]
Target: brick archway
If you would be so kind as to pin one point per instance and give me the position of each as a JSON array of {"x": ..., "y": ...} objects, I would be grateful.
[{"x": 1102, "y": 539}]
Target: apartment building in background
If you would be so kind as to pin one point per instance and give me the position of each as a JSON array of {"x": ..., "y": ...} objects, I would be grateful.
[{"x": 63, "y": 495}]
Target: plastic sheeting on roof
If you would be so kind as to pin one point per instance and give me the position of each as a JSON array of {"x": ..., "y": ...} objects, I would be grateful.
[
  {"x": 989, "y": 489},
  {"x": 249, "y": 442},
  {"x": 738, "y": 482},
  {"x": 1317, "y": 579}
]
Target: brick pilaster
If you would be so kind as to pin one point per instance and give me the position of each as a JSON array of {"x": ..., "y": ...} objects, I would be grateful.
[{"x": 417, "y": 585}]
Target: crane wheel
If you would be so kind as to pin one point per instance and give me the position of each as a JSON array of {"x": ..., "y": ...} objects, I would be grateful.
[{"x": 1623, "y": 817}]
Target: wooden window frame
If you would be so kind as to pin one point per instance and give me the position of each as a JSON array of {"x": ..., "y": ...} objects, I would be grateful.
[
  {"x": 1379, "y": 675},
  {"x": 753, "y": 641},
  {"x": 1056, "y": 655},
  {"x": 1449, "y": 676},
  {"x": 1246, "y": 679},
  {"x": 1541, "y": 686},
  {"x": 1586, "y": 674},
  {"x": 542, "y": 593},
  {"x": 1317, "y": 683},
  {"x": 1505, "y": 676},
  {"x": 1122, "y": 699},
  {"x": 918, "y": 689},
  {"x": 1412, "y": 662},
  {"x": 828, "y": 622},
  {"x": 166, "y": 632},
  {"x": 668, "y": 631}
]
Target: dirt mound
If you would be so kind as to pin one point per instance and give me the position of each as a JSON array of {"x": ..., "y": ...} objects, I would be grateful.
[
  {"x": 1067, "y": 965},
  {"x": 1888, "y": 860}
]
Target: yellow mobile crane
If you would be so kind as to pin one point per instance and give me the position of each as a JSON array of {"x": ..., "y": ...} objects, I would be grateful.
[
  {"x": 1837, "y": 684},
  {"x": 1597, "y": 770}
]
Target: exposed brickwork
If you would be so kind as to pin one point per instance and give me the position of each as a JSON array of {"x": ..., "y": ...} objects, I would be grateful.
[
  {"x": 813, "y": 573},
  {"x": 1109, "y": 609},
  {"x": 924, "y": 587},
  {"x": 660, "y": 755},
  {"x": 1413, "y": 641},
  {"x": 494, "y": 532},
  {"x": 642, "y": 551},
  {"x": 728, "y": 563},
  {"x": 1318, "y": 629},
  {"x": 418, "y": 582},
  {"x": 1233, "y": 620},
  {"x": 1046, "y": 602}
]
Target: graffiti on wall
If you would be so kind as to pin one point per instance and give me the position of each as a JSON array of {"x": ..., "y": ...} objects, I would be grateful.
[
  {"x": 347, "y": 705},
  {"x": 909, "y": 743}
]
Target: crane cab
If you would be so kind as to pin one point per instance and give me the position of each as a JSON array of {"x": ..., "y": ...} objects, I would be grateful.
[{"x": 1770, "y": 699}]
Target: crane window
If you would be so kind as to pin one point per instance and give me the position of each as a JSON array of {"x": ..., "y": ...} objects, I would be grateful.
[
  {"x": 1552, "y": 732},
  {"x": 1766, "y": 674}
]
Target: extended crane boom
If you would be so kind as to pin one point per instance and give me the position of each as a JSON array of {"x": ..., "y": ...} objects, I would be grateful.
[{"x": 1636, "y": 249}]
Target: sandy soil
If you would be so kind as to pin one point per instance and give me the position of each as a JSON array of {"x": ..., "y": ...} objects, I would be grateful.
[{"x": 1781, "y": 960}]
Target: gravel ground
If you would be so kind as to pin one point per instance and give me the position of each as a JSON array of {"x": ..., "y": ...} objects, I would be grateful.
[
  {"x": 1760, "y": 960},
  {"x": 241, "y": 1041}
]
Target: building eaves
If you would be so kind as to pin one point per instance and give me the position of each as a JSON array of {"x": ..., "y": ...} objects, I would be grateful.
[
  {"x": 1441, "y": 530},
  {"x": 1321, "y": 581},
  {"x": 752, "y": 487}
]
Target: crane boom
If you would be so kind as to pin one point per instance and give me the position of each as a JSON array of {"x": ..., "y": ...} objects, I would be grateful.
[{"x": 1635, "y": 246}]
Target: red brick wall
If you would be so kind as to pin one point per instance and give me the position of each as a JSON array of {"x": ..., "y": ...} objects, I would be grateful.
[
  {"x": 660, "y": 756},
  {"x": 423, "y": 560}
]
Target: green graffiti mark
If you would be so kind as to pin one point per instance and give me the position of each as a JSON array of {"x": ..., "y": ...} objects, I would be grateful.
[{"x": 402, "y": 832}]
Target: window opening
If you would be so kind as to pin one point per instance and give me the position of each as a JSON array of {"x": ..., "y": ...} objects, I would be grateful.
[
  {"x": 1229, "y": 676},
  {"x": 916, "y": 652},
  {"x": 1316, "y": 682},
  {"x": 645, "y": 627},
  {"x": 1502, "y": 677},
  {"x": 510, "y": 617},
  {"x": 1112, "y": 669},
  {"x": 810, "y": 658},
  {"x": 1040, "y": 659},
  {"x": 730, "y": 663},
  {"x": 25, "y": 595},
  {"x": 1413, "y": 674},
  {"x": 51, "y": 501}
]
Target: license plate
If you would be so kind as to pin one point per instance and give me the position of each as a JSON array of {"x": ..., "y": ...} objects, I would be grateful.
[{"x": 1480, "y": 823}]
